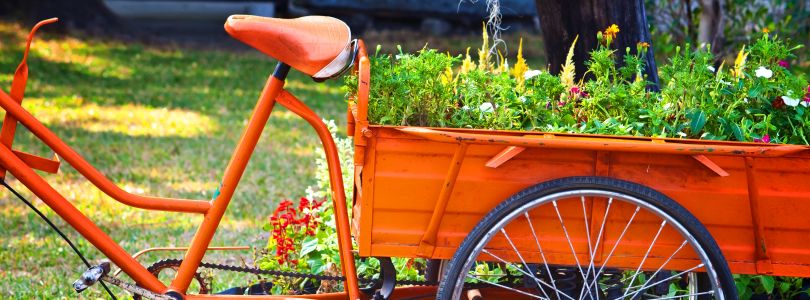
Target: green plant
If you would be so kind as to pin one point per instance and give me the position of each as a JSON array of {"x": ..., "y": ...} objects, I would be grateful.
[
  {"x": 784, "y": 287},
  {"x": 757, "y": 98}
]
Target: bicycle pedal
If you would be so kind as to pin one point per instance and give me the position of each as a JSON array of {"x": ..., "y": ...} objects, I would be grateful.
[{"x": 91, "y": 276}]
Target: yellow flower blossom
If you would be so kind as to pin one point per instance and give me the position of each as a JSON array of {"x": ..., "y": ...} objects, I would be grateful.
[
  {"x": 611, "y": 32},
  {"x": 569, "y": 69},
  {"x": 739, "y": 63},
  {"x": 483, "y": 53},
  {"x": 643, "y": 46},
  {"x": 520, "y": 67},
  {"x": 447, "y": 76},
  {"x": 503, "y": 65},
  {"x": 467, "y": 64}
]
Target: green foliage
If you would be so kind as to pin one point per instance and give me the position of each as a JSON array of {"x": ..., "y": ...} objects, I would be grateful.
[
  {"x": 784, "y": 287},
  {"x": 756, "y": 99}
]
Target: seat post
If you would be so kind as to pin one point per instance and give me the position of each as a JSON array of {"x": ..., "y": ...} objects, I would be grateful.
[{"x": 281, "y": 71}]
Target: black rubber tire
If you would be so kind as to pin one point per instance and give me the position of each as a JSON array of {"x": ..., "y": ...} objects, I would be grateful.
[{"x": 656, "y": 199}]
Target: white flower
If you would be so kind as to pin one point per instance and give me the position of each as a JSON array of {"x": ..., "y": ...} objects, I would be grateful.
[
  {"x": 465, "y": 107},
  {"x": 486, "y": 107},
  {"x": 790, "y": 101},
  {"x": 522, "y": 99},
  {"x": 763, "y": 72},
  {"x": 531, "y": 73},
  {"x": 667, "y": 106},
  {"x": 711, "y": 68},
  {"x": 745, "y": 100}
]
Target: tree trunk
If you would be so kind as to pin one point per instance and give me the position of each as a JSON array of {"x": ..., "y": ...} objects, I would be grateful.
[
  {"x": 88, "y": 15},
  {"x": 562, "y": 20},
  {"x": 712, "y": 19}
]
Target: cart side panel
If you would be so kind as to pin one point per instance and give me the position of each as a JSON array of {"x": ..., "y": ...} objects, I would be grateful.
[{"x": 404, "y": 175}]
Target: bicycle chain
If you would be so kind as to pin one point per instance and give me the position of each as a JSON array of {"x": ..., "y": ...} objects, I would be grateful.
[{"x": 289, "y": 274}]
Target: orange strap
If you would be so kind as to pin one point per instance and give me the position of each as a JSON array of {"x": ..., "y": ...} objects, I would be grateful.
[{"x": 17, "y": 93}]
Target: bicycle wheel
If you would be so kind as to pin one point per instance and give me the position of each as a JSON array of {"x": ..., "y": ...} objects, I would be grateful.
[{"x": 588, "y": 238}]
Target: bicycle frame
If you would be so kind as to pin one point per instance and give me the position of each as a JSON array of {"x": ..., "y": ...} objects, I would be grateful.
[{"x": 22, "y": 166}]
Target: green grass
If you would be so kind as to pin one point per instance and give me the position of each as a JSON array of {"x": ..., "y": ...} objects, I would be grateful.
[{"x": 157, "y": 122}]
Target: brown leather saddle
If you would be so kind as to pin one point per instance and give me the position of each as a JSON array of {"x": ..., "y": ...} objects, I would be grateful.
[{"x": 318, "y": 46}]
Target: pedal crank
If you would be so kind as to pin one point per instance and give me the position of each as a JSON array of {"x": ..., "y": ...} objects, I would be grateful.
[{"x": 91, "y": 276}]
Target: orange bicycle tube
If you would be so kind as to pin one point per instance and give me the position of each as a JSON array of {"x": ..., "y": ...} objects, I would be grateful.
[
  {"x": 338, "y": 193},
  {"x": 94, "y": 175},
  {"x": 79, "y": 221},
  {"x": 18, "y": 90},
  {"x": 233, "y": 173}
]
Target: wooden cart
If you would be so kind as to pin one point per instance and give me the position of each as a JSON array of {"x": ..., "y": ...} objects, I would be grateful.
[{"x": 420, "y": 192}]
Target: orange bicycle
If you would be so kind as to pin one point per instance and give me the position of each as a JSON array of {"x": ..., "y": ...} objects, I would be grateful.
[{"x": 504, "y": 215}]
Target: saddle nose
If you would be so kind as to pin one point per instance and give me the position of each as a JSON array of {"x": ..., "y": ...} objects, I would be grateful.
[{"x": 318, "y": 46}]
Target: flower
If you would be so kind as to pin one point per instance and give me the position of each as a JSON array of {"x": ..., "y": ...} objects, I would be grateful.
[
  {"x": 531, "y": 73},
  {"x": 578, "y": 92},
  {"x": 486, "y": 107},
  {"x": 766, "y": 30},
  {"x": 763, "y": 72},
  {"x": 642, "y": 46},
  {"x": 739, "y": 63},
  {"x": 790, "y": 101},
  {"x": 778, "y": 103},
  {"x": 765, "y": 139},
  {"x": 712, "y": 69},
  {"x": 611, "y": 31},
  {"x": 568, "y": 71},
  {"x": 784, "y": 64},
  {"x": 521, "y": 67}
]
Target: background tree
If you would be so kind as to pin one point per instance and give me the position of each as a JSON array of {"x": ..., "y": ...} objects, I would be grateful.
[
  {"x": 563, "y": 20},
  {"x": 712, "y": 20}
]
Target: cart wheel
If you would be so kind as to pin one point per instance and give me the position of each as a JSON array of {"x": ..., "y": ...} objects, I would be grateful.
[{"x": 588, "y": 238}]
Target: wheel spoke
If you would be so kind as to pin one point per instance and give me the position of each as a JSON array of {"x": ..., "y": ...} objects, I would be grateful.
[
  {"x": 659, "y": 269},
  {"x": 542, "y": 255},
  {"x": 687, "y": 295},
  {"x": 610, "y": 254},
  {"x": 644, "y": 259},
  {"x": 590, "y": 250},
  {"x": 599, "y": 239},
  {"x": 528, "y": 270},
  {"x": 567, "y": 237},
  {"x": 521, "y": 270},
  {"x": 508, "y": 288},
  {"x": 664, "y": 280}
]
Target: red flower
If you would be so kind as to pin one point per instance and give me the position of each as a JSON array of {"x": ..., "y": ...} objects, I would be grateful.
[
  {"x": 778, "y": 103},
  {"x": 765, "y": 139},
  {"x": 784, "y": 64}
]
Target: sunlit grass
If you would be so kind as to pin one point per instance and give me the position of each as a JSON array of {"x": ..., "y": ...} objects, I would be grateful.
[
  {"x": 133, "y": 120},
  {"x": 156, "y": 121}
]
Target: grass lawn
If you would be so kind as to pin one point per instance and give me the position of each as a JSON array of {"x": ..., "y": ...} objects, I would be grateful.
[{"x": 162, "y": 122}]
